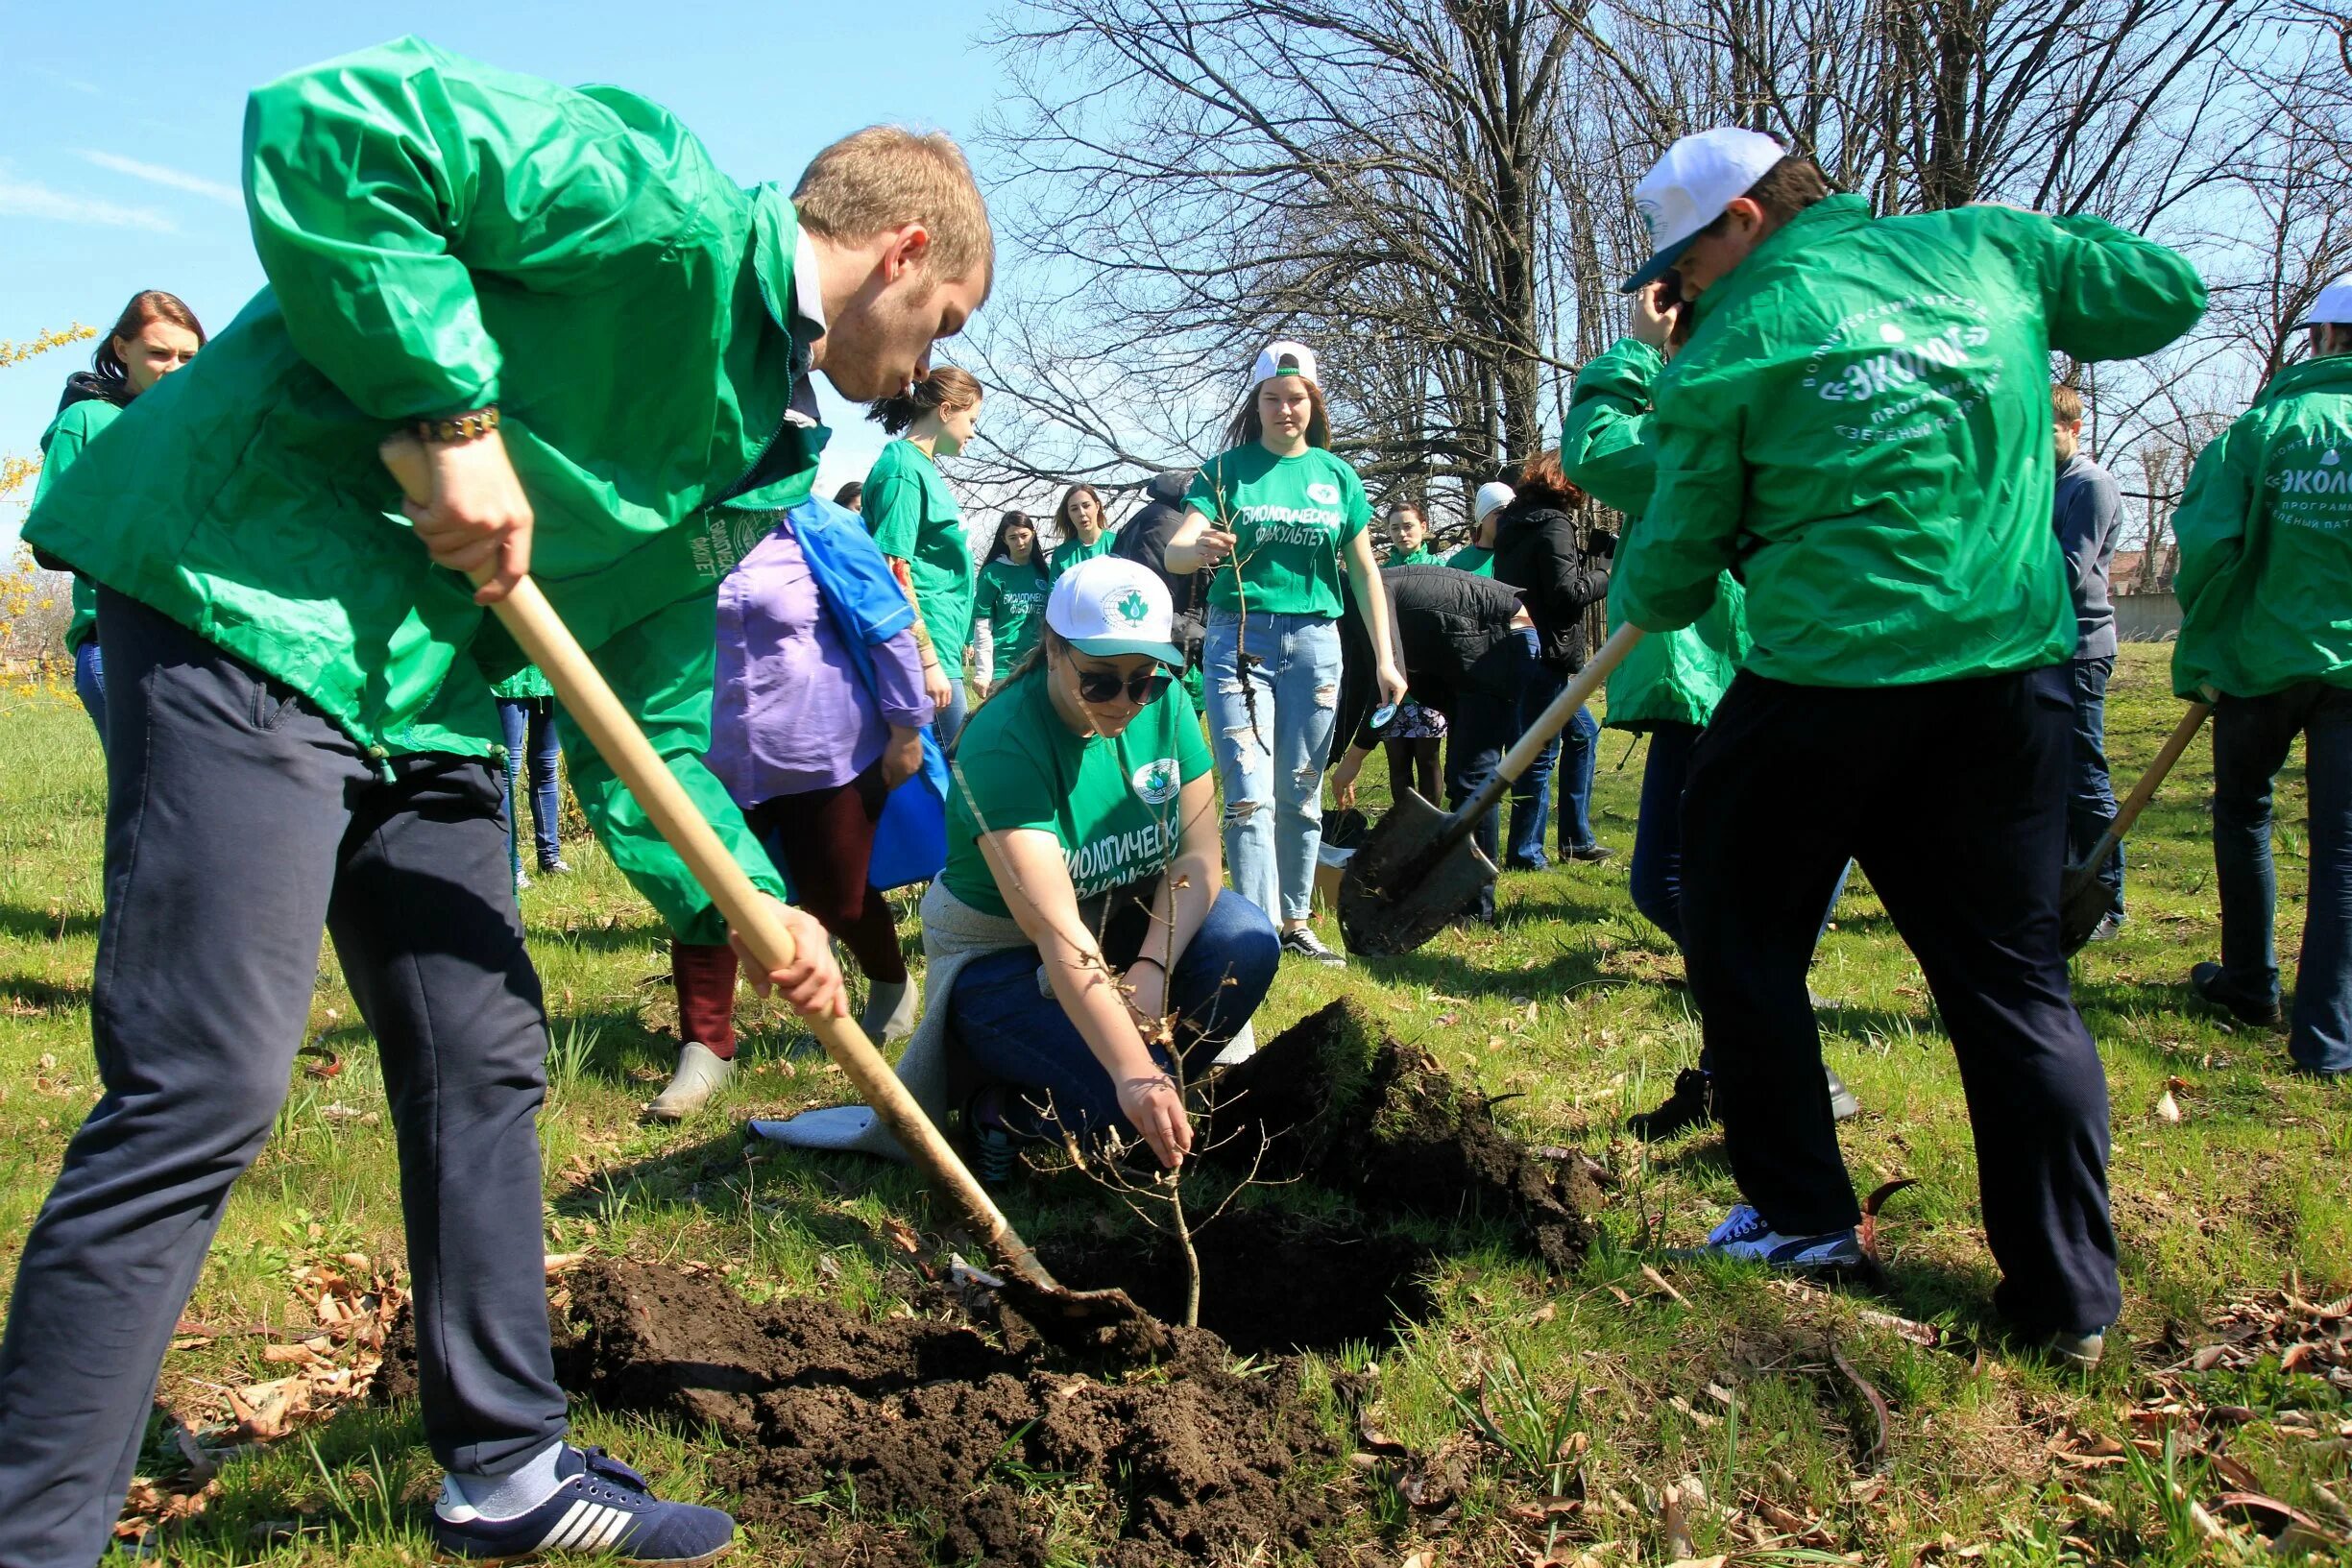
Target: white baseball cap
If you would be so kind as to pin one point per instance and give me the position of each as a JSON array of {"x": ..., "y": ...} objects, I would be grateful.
[
  {"x": 2332, "y": 307},
  {"x": 1110, "y": 606},
  {"x": 1689, "y": 187},
  {"x": 1491, "y": 497},
  {"x": 1284, "y": 358}
]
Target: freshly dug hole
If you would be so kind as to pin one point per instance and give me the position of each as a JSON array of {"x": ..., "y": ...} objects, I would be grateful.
[
  {"x": 1268, "y": 1285},
  {"x": 955, "y": 1447}
]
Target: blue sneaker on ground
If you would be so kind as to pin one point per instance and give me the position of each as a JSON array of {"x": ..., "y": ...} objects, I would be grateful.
[
  {"x": 602, "y": 1509},
  {"x": 1748, "y": 1237}
]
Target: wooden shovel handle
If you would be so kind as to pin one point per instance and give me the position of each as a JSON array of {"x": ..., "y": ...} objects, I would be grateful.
[
  {"x": 2192, "y": 719},
  {"x": 590, "y": 702}
]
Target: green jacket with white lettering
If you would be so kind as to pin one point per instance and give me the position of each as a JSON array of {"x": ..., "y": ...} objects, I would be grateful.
[
  {"x": 1860, "y": 428},
  {"x": 2266, "y": 542},
  {"x": 439, "y": 235}
]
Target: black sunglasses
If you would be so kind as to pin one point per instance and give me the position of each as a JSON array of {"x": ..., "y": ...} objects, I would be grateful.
[{"x": 1105, "y": 685}]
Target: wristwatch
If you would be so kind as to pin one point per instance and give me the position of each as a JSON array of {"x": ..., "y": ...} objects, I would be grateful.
[{"x": 457, "y": 428}]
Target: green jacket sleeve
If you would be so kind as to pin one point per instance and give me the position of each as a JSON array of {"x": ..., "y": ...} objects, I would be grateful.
[
  {"x": 1689, "y": 532},
  {"x": 662, "y": 669},
  {"x": 2111, "y": 295},
  {"x": 1602, "y": 440},
  {"x": 74, "y": 430},
  {"x": 380, "y": 183},
  {"x": 2210, "y": 527}
]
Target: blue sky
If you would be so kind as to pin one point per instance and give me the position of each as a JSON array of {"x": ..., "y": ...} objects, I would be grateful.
[{"x": 119, "y": 128}]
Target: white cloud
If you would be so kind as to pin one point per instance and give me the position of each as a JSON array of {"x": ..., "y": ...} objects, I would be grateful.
[
  {"x": 30, "y": 199},
  {"x": 156, "y": 174}
]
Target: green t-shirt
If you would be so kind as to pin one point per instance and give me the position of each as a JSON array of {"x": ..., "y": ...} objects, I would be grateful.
[
  {"x": 1112, "y": 802},
  {"x": 1475, "y": 558},
  {"x": 1420, "y": 555},
  {"x": 1291, "y": 517},
  {"x": 907, "y": 510},
  {"x": 1011, "y": 600},
  {"x": 73, "y": 429},
  {"x": 1070, "y": 552}
]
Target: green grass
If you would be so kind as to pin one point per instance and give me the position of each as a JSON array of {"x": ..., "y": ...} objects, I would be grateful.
[{"x": 1572, "y": 1006}]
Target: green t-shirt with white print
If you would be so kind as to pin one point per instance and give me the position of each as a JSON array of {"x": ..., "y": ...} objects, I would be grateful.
[{"x": 1291, "y": 518}]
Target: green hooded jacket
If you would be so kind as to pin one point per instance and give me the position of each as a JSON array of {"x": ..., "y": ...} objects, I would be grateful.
[
  {"x": 439, "y": 235},
  {"x": 75, "y": 428},
  {"x": 2266, "y": 542},
  {"x": 1606, "y": 445},
  {"x": 1860, "y": 425}
]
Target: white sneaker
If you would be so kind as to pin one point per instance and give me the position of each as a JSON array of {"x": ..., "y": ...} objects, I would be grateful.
[
  {"x": 1747, "y": 1236},
  {"x": 701, "y": 1074}
]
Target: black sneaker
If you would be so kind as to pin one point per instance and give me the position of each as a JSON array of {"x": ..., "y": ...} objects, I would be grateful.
[
  {"x": 603, "y": 1508},
  {"x": 1590, "y": 854},
  {"x": 2205, "y": 980},
  {"x": 1692, "y": 1104},
  {"x": 1302, "y": 943}
]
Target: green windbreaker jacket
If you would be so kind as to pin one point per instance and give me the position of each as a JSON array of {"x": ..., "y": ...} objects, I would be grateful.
[
  {"x": 1860, "y": 427},
  {"x": 1606, "y": 445},
  {"x": 439, "y": 235},
  {"x": 69, "y": 435},
  {"x": 2266, "y": 542}
]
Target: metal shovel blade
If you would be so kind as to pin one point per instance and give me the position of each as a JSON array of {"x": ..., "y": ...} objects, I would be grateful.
[{"x": 1396, "y": 894}]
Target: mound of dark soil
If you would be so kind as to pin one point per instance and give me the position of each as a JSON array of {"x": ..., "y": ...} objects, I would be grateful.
[
  {"x": 932, "y": 1444},
  {"x": 1334, "y": 1101}
]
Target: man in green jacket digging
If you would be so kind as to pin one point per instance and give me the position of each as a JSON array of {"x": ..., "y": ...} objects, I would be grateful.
[
  {"x": 1860, "y": 428},
  {"x": 605, "y": 345},
  {"x": 2266, "y": 593}
]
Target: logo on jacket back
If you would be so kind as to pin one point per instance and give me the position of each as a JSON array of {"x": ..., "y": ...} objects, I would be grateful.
[
  {"x": 1157, "y": 783},
  {"x": 2313, "y": 492},
  {"x": 1907, "y": 368}
]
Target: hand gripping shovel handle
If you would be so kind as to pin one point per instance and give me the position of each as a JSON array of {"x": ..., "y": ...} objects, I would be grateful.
[
  {"x": 541, "y": 634},
  {"x": 2192, "y": 719},
  {"x": 1542, "y": 732}
]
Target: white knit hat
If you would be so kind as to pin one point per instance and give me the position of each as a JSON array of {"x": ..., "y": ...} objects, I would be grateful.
[{"x": 1493, "y": 496}]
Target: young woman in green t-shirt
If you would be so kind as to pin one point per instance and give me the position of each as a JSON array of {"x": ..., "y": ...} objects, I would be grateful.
[
  {"x": 1010, "y": 601},
  {"x": 1082, "y": 529},
  {"x": 1276, "y": 520},
  {"x": 908, "y": 510},
  {"x": 1083, "y": 885}
]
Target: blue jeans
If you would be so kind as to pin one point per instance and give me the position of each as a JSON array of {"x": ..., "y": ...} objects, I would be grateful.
[
  {"x": 240, "y": 822},
  {"x": 947, "y": 723},
  {"x": 1270, "y": 729},
  {"x": 2251, "y": 738},
  {"x": 1007, "y": 1021},
  {"x": 533, "y": 717},
  {"x": 1484, "y": 725},
  {"x": 2090, "y": 802},
  {"x": 90, "y": 686},
  {"x": 1657, "y": 874}
]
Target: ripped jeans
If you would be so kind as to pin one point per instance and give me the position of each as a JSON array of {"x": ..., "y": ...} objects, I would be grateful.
[{"x": 1271, "y": 742}]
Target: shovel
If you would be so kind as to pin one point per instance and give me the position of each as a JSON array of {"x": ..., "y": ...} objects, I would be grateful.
[
  {"x": 2083, "y": 898},
  {"x": 1094, "y": 1319},
  {"x": 1419, "y": 869}
]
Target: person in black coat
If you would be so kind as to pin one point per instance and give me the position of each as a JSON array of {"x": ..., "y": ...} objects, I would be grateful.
[
  {"x": 1461, "y": 648},
  {"x": 1144, "y": 539},
  {"x": 1537, "y": 551}
]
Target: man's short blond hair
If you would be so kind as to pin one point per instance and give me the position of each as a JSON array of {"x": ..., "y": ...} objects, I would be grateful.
[
  {"x": 885, "y": 177},
  {"x": 2065, "y": 404}
]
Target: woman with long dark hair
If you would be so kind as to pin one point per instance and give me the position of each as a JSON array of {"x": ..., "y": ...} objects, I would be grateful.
[
  {"x": 1276, "y": 520},
  {"x": 1008, "y": 610},
  {"x": 1082, "y": 529},
  {"x": 154, "y": 336},
  {"x": 908, "y": 510}
]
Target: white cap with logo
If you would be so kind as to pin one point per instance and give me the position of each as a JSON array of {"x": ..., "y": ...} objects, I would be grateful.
[
  {"x": 1284, "y": 358},
  {"x": 2332, "y": 307},
  {"x": 1689, "y": 187},
  {"x": 1110, "y": 606},
  {"x": 1491, "y": 497}
]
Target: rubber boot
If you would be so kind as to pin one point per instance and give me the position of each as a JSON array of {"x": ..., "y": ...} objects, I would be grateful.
[
  {"x": 890, "y": 1010},
  {"x": 701, "y": 1074}
]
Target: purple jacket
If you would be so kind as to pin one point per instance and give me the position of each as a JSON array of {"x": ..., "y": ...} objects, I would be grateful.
[{"x": 791, "y": 711}]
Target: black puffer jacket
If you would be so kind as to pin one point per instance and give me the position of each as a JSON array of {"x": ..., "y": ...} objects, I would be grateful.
[
  {"x": 1144, "y": 539},
  {"x": 1452, "y": 629},
  {"x": 1535, "y": 551}
]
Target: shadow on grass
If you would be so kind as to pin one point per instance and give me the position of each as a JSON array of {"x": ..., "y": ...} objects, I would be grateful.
[
  {"x": 44, "y": 925},
  {"x": 43, "y": 995}
]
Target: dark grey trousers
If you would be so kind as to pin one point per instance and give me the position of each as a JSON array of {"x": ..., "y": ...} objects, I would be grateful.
[{"x": 239, "y": 823}]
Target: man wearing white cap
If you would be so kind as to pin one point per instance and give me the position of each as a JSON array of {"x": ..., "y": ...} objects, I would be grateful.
[
  {"x": 2266, "y": 593},
  {"x": 1860, "y": 428}
]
